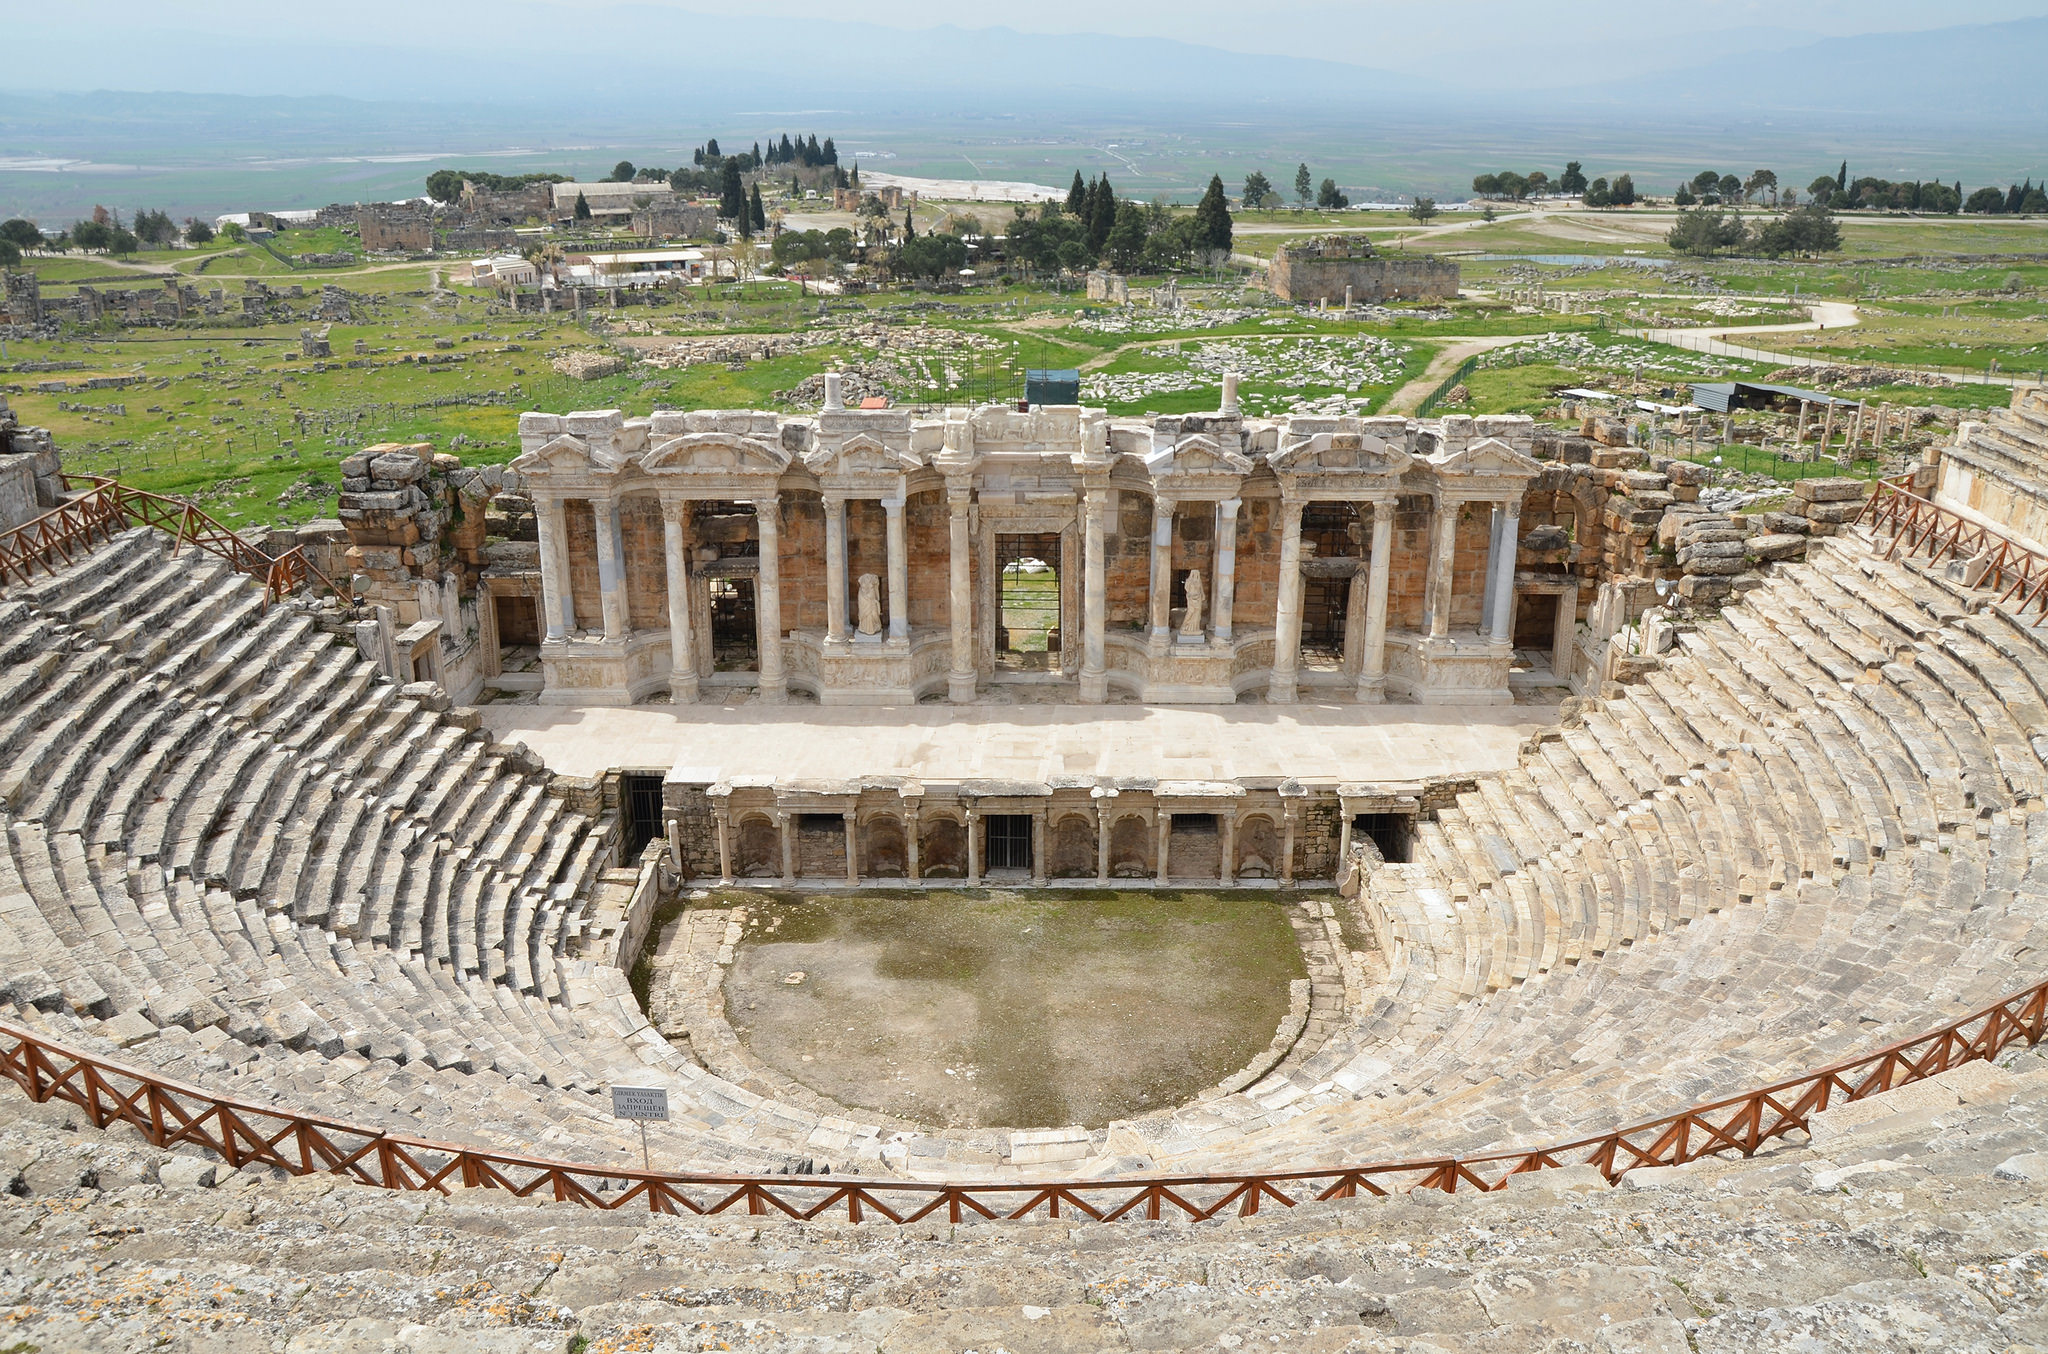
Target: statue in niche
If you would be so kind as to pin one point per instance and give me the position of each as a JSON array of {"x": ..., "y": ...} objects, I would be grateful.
[
  {"x": 870, "y": 605},
  {"x": 1191, "y": 620}
]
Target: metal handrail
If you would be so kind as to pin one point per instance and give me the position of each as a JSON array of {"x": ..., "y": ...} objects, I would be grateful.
[
  {"x": 112, "y": 507},
  {"x": 1920, "y": 526},
  {"x": 244, "y": 1133}
]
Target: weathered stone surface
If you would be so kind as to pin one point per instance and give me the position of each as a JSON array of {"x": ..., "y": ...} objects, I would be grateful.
[{"x": 1787, "y": 546}]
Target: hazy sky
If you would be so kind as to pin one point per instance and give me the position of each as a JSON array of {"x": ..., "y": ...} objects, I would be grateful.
[{"x": 1511, "y": 34}]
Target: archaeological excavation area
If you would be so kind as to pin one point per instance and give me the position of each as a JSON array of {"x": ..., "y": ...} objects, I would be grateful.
[{"x": 1355, "y": 806}]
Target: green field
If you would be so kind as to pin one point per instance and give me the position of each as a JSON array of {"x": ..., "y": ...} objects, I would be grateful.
[{"x": 235, "y": 416}]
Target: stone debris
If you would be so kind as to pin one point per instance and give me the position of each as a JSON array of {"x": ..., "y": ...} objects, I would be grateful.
[{"x": 584, "y": 365}]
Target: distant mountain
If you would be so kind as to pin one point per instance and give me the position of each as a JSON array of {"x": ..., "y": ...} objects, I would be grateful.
[
  {"x": 1958, "y": 75},
  {"x": 663, "y": 59}
]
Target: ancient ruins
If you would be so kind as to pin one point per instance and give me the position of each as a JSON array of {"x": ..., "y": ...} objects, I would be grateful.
[
  {"x": 1346, "y": 269},
  {"x": 277, "y": 899}
]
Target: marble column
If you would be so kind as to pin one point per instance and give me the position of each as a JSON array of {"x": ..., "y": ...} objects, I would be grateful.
[
  {"x": 1502, "y": 584},
  {"x": 768, "y": 601},
  {"x": 1282, "y": 689},
  {"x": 899, "y": 570},
  {"x": 1165, "y": 840},
  {"x": 1226, "y": 569},
  {"x": 1101, "y": 844},
  {"x": 557, "y": 599},
  {"x": 1443, "y": 541},
  {"x": 1343, "y": 833},
  {"x": 852, "y": 849},
  {"x": 1287, "y": 847},
  {"x": 1162, "y": 567},
  {"x": 1094, "y": 601},
  {"x": 682, "y": 648},
  {"x": 1495, "y": 520},
  {"x": 723, "y": 818},
  {"x": 611, "y": 569},
  {"x": 1564, "y": 636},
  {"x": 1038, "y": 862},
  {"x": 835, "y": 568},
  {"x": 1226, "y": 871},
  {"x": 786, "y": 829},
  {"x": 959, "y": 601},
  {"x": 973, "y": 847},
  {"x": 911, "y": 844},
  {"x": 1372, "y": 673}
]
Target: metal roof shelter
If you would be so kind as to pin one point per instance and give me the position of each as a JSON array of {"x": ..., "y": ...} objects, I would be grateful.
[{"x": 1722, "y": 397}]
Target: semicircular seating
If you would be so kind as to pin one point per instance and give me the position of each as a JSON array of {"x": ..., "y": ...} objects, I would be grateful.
[{"x": 241, "y": 856}]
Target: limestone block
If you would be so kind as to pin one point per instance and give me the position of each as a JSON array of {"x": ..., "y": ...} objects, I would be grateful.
[
  {"x": 128, "y": 1029},
  {"x": 1558, "y": 1182},
  {"x": 1648, "y": 499},
  {"x": 1833, "y": 489},
  {"x": 391, "y": 501},
  {"x": 1637, "y": 481},
  {"x": 1781, "y": 522},
  {"x": 428, "y": 694},
  {"x": 358, "y": 465},
  {"x": 1689, "y": 473},
  {"x": 1046, "y": 1145},
  {"x": 1782, "y": 546},
  {"x": 1835, "y": 512},
  {"x": 1705, "y": 589},
  {"x": 1690, "y": 557},
  {"x": 187, "y": 1173}
]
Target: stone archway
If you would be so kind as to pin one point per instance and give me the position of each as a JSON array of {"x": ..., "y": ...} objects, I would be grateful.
[
  {"x": 884, "y": 851},
  {"x": 1073, "y": 848},
  {"x": 1130, "y": 848},
  {"x": 1258, "y": 848},
  {"x": 942, "y": 849},
  {"x": 757, "y": 853}
]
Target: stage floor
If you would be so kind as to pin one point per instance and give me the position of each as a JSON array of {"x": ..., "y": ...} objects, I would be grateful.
[{"x": 793, "y": 743}]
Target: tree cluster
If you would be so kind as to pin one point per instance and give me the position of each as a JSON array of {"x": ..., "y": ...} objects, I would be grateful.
[
  {"x": 2019, "y": 199},
  {"x": 445, "y": 185},
  {"x": 796, "y": 247},
  {"x": 1601, "y": 193},
  {"x": 1705, "y": 230},
  {"x": 801, "y": 151},
  {"x": 1508, "y": 184},
  {"x": 1094, "y": 226}
]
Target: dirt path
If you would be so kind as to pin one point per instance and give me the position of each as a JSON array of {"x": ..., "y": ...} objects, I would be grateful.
[{"x": 1457, "y": 350}]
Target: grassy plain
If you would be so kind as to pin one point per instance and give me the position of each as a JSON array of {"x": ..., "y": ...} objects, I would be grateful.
[{"x": 234, "y": 415}]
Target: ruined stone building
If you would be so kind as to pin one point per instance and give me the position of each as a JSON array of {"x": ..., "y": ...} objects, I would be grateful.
[
  {"x": 404, "y": 228},
  {"x": 871, "y": 557},
  {"x": 1345, "y": 269}
]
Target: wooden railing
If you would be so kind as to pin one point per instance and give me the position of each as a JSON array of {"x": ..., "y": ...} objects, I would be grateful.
[
  {"x": 110, "y": 507},
  {"x": 1919, "y": 526},
  {"x": 243, "y": 1133}
]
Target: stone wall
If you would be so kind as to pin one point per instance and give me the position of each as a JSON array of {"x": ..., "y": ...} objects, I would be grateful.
[
  {"x": 395, "y": 229},
  {"x": 1337, "y": 269}
]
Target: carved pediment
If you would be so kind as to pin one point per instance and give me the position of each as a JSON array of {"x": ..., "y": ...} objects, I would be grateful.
[
  {"x": 567, "y": 454},
  {"x": 1340, "y": 453},
  {"x": 715, "y": 454},
  {"x": 1488, "y": 458},
  {"x": 1198, "y": 454},
  {"x": 861, "y": 454}
]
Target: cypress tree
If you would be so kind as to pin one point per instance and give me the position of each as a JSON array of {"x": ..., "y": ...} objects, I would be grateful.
[
  {"x": 855, "y": 183},
  {"x": 831, "y": 152},
  {"x": 817, "y": 155},
  {"x": 732, "y": 194},
  {"x": 1077, "y": 196},
  {"x": 760, "y": 216},
  {"x": 1212, "y": 217},
  {"x": 582, "y": 209},
  {"x": 1842, "y": 178},
  {"x": 909, "y": 227}
]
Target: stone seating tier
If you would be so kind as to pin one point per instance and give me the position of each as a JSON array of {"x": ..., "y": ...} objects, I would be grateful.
[{"x": 236, "y": 854}]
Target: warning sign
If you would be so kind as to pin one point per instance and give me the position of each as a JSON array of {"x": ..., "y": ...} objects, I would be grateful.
[{"x": 639, "y": 1102}]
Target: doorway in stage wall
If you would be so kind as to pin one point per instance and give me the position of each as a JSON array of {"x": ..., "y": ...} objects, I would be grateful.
[
  {"x": 735, "y": 643},
  {"x": 1325, "y": 602},
  {"x": 1028, "y": 627},
  {"x": 1009, "y": 841},
  {"x": 1332, "y": 540}
]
